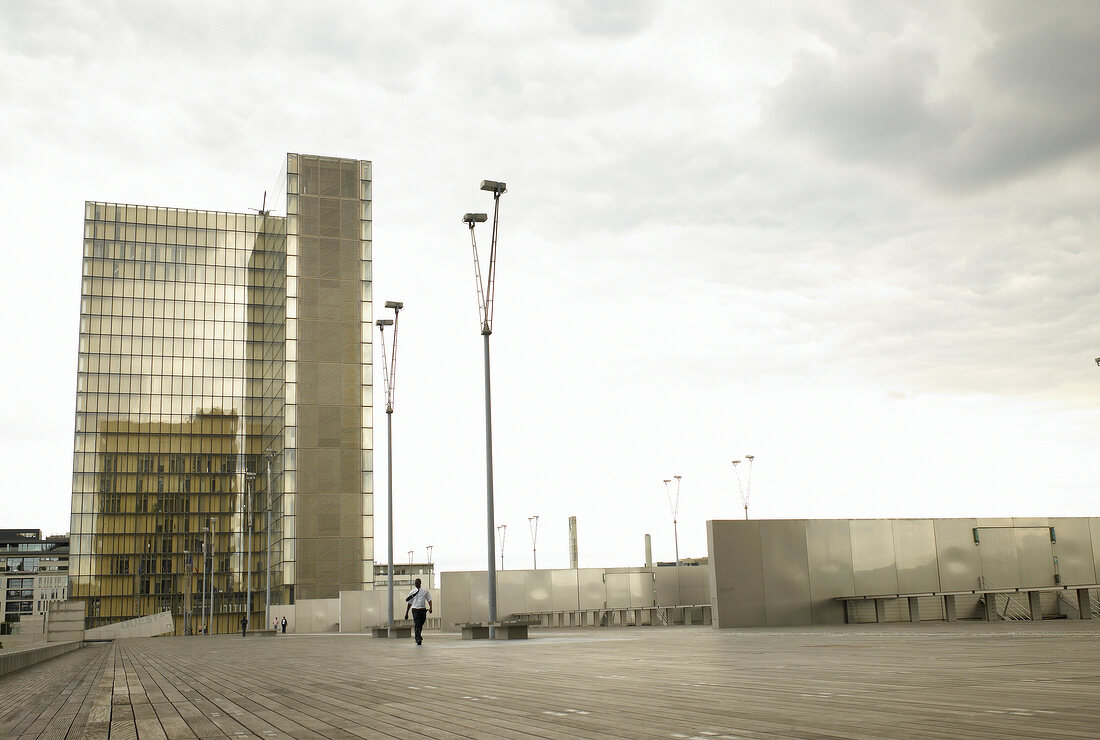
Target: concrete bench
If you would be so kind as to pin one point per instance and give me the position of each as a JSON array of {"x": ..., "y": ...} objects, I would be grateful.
[
  {"x": 505, "y": 630},
  {"x": 263, "y": 633},
  {"x": 474, "y": 630},
  {"x": 401, "y": 629}
]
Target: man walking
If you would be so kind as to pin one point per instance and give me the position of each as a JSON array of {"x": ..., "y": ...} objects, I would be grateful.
[
  {"x": 244, "y": 626},
  {"x": 420, "y": 602}
]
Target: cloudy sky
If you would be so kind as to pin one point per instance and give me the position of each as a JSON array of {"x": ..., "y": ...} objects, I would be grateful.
[{"x": 857, "y": 240}]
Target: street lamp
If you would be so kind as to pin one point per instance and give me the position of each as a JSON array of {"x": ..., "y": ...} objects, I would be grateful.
[
  {"x": 502, "y": 531},
  {"x": 674, "y": 507},
  {"x": 205, "y": 553},
  {"x": 533, "y": 523},
  {"x": 485, "y": 292},
  {"x": 1098, "y": 361},
  {"x": 270, "y": 454},
  {"x": 213, "y": 561},
  {"x": 389, "y": 371},
  {"x": 250, "y": 487},
  {"x": 747, "y": 489}
]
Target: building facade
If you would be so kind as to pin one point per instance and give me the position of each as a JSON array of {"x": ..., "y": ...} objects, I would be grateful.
[
  {"x": 33, "y": 572},
  {"x": 224, "y": 382}
]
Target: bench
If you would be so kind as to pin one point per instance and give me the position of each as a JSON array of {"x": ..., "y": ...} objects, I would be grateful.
[
  {"x": 401, "y": 629},
  {"x": 988, "y": 596},
  {"x": 511, "y": 629},
  {"x": 263, "y": 633}
]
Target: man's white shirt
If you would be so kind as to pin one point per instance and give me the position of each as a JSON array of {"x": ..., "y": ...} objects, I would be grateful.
[{"x": 420, "y": 599}]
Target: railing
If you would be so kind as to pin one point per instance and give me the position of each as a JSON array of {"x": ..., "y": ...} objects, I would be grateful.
[{"x": 1012, "y": 610}]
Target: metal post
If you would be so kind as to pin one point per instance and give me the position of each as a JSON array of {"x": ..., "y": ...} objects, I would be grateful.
[
  {"x": 533, "y": 522},
  {"x": 389, "y": 520},
  {"x": 213, "y": 563},
  {"x": 250, "y": 478},
  {"x": 267, "y": 579},
  {"x": 205, "y": 552},
  {"x": 490, "y": 519}
]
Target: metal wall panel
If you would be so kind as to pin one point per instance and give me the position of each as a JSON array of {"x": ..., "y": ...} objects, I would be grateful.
[
  {"x": 618, "y": 590},
  {"x": 668, "y": 592},
  {"x": 997, "y": 549},
  {"x": 1074, "y": 550},
  {"x": 539, "y": 592},
  {"x": 593, "y": 592},
  {"x": 873, "y": 560},
  {"x": 457, "y": 606},
  {"x": 479, "y": 596},
  {"x": 695, "y": 585},
  {"x": 511, "y": 596},
  {"x": 1034, "y": 556},
  {"x": 786, "y": 573},
  {"x": 1094, "y": 529},
  {"x": 915, "y": 547},
  {"x": 737, "y": 598},
  {"x": 959, "y": 562},
  {"x": 565, "y": 590},
  {"x": 642, "y": 587},
  {"x": 829, "y": 552},
  {"x": 351, "y": 611}
]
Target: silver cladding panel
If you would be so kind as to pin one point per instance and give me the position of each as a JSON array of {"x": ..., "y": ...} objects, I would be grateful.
[
  {"x": 997, "y": 549},
  {"x": 564, "y": 589},
  {"x": 737, "y": 598},
  {"x": 641, "y": 589},
  {"x": 786, "y": 574},
  {"x": 1094, "y": 529},
  {"x": 1035, "y": 557},
  {"x": 873, "y": 557},
  {"x": 959, "y": 562},
  {"x": 696, "y": 584},
  {"x": 617, "y": 587},
  {"x": 915, "y": 547},
  {"x": 539, "y": 587},
  {"x": 511, "y": 593},
  {"x": 829, "y": 552},
  {"x": 591, "y": 587},
  {"x": 1074, "y": 550},
  {"x": 457, "y": 606}
]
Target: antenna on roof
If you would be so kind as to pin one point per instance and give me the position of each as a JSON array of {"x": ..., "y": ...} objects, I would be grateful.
[{"x": 262, "y": 210}]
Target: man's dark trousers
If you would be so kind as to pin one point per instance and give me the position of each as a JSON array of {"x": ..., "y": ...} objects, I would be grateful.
[{"x": 419, "y": 616}]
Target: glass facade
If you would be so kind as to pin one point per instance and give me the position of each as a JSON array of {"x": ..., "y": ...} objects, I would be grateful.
[{"x": 188, "y": 398}]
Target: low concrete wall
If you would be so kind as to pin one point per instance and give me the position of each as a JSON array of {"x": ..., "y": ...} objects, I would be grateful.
[
  {"x": 547, "y": 590},
  {"x": 148, "y": 626},
  {"x": 65, "y": 621},
  {"x": 313, "y": 615},
  {"x": 362, "y": 610},
  {"x": 13, "y": 661}
]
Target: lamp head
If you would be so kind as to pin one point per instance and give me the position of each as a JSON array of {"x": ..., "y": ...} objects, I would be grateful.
[
  {"x": 494, "y": 187},
  {"x": 396, "y": 305},
  {"x": 667, "y": 481},
  {"x": 677, "y": 477},
  {"x": 750, "y": 458},
  {"x": 736, "y": 462},
  {"x": 1098, "y": 361},
  {"x": 384, "y": 322},
  {"x": 475, "y": 218}
]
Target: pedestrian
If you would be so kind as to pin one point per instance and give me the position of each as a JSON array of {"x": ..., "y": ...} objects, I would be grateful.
[
  {"x": 275, "y": 624},
  {"x": 284, "y": 625},
  {"x": 244, "y": 626},
  {"x": 420, "y": 602}
]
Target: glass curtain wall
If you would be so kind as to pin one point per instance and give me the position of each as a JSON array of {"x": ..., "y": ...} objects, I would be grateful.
[{"x": 179, "y": 396}]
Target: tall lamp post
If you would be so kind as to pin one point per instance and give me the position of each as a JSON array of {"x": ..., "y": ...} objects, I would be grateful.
[
  {"x": 213, "y": 562},
  {"x": 270, "y": 454},
  {"x": 204, "y": 629},
  {"x": 533, "y": 523},
  {"x": 745, "y": 491},
  {"x": 249, "y": 490},
  {"x": 674, "y": 507},
  {"x": 502, "y": 532},
  {"x": 485, "y": 292},
  {"x": 389, "y": 370}
]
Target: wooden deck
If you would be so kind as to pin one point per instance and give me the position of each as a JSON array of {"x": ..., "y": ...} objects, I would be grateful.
[{"x": 936, "y": 680}]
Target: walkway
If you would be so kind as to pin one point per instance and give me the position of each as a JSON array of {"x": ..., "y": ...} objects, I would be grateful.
[{"x": 941, "y": 680}]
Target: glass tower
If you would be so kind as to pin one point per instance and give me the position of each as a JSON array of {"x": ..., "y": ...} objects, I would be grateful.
[{"x": 224, "y": 381}]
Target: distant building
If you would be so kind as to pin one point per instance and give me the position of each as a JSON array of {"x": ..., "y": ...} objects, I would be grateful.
[
  {"x": 224, "y": 374},
  {"x": 404, "y": 574},
  {"x": 33, "y": 572}
]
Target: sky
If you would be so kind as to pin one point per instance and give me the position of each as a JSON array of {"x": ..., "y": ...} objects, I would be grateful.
[{"x": 857, "y": 240}]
